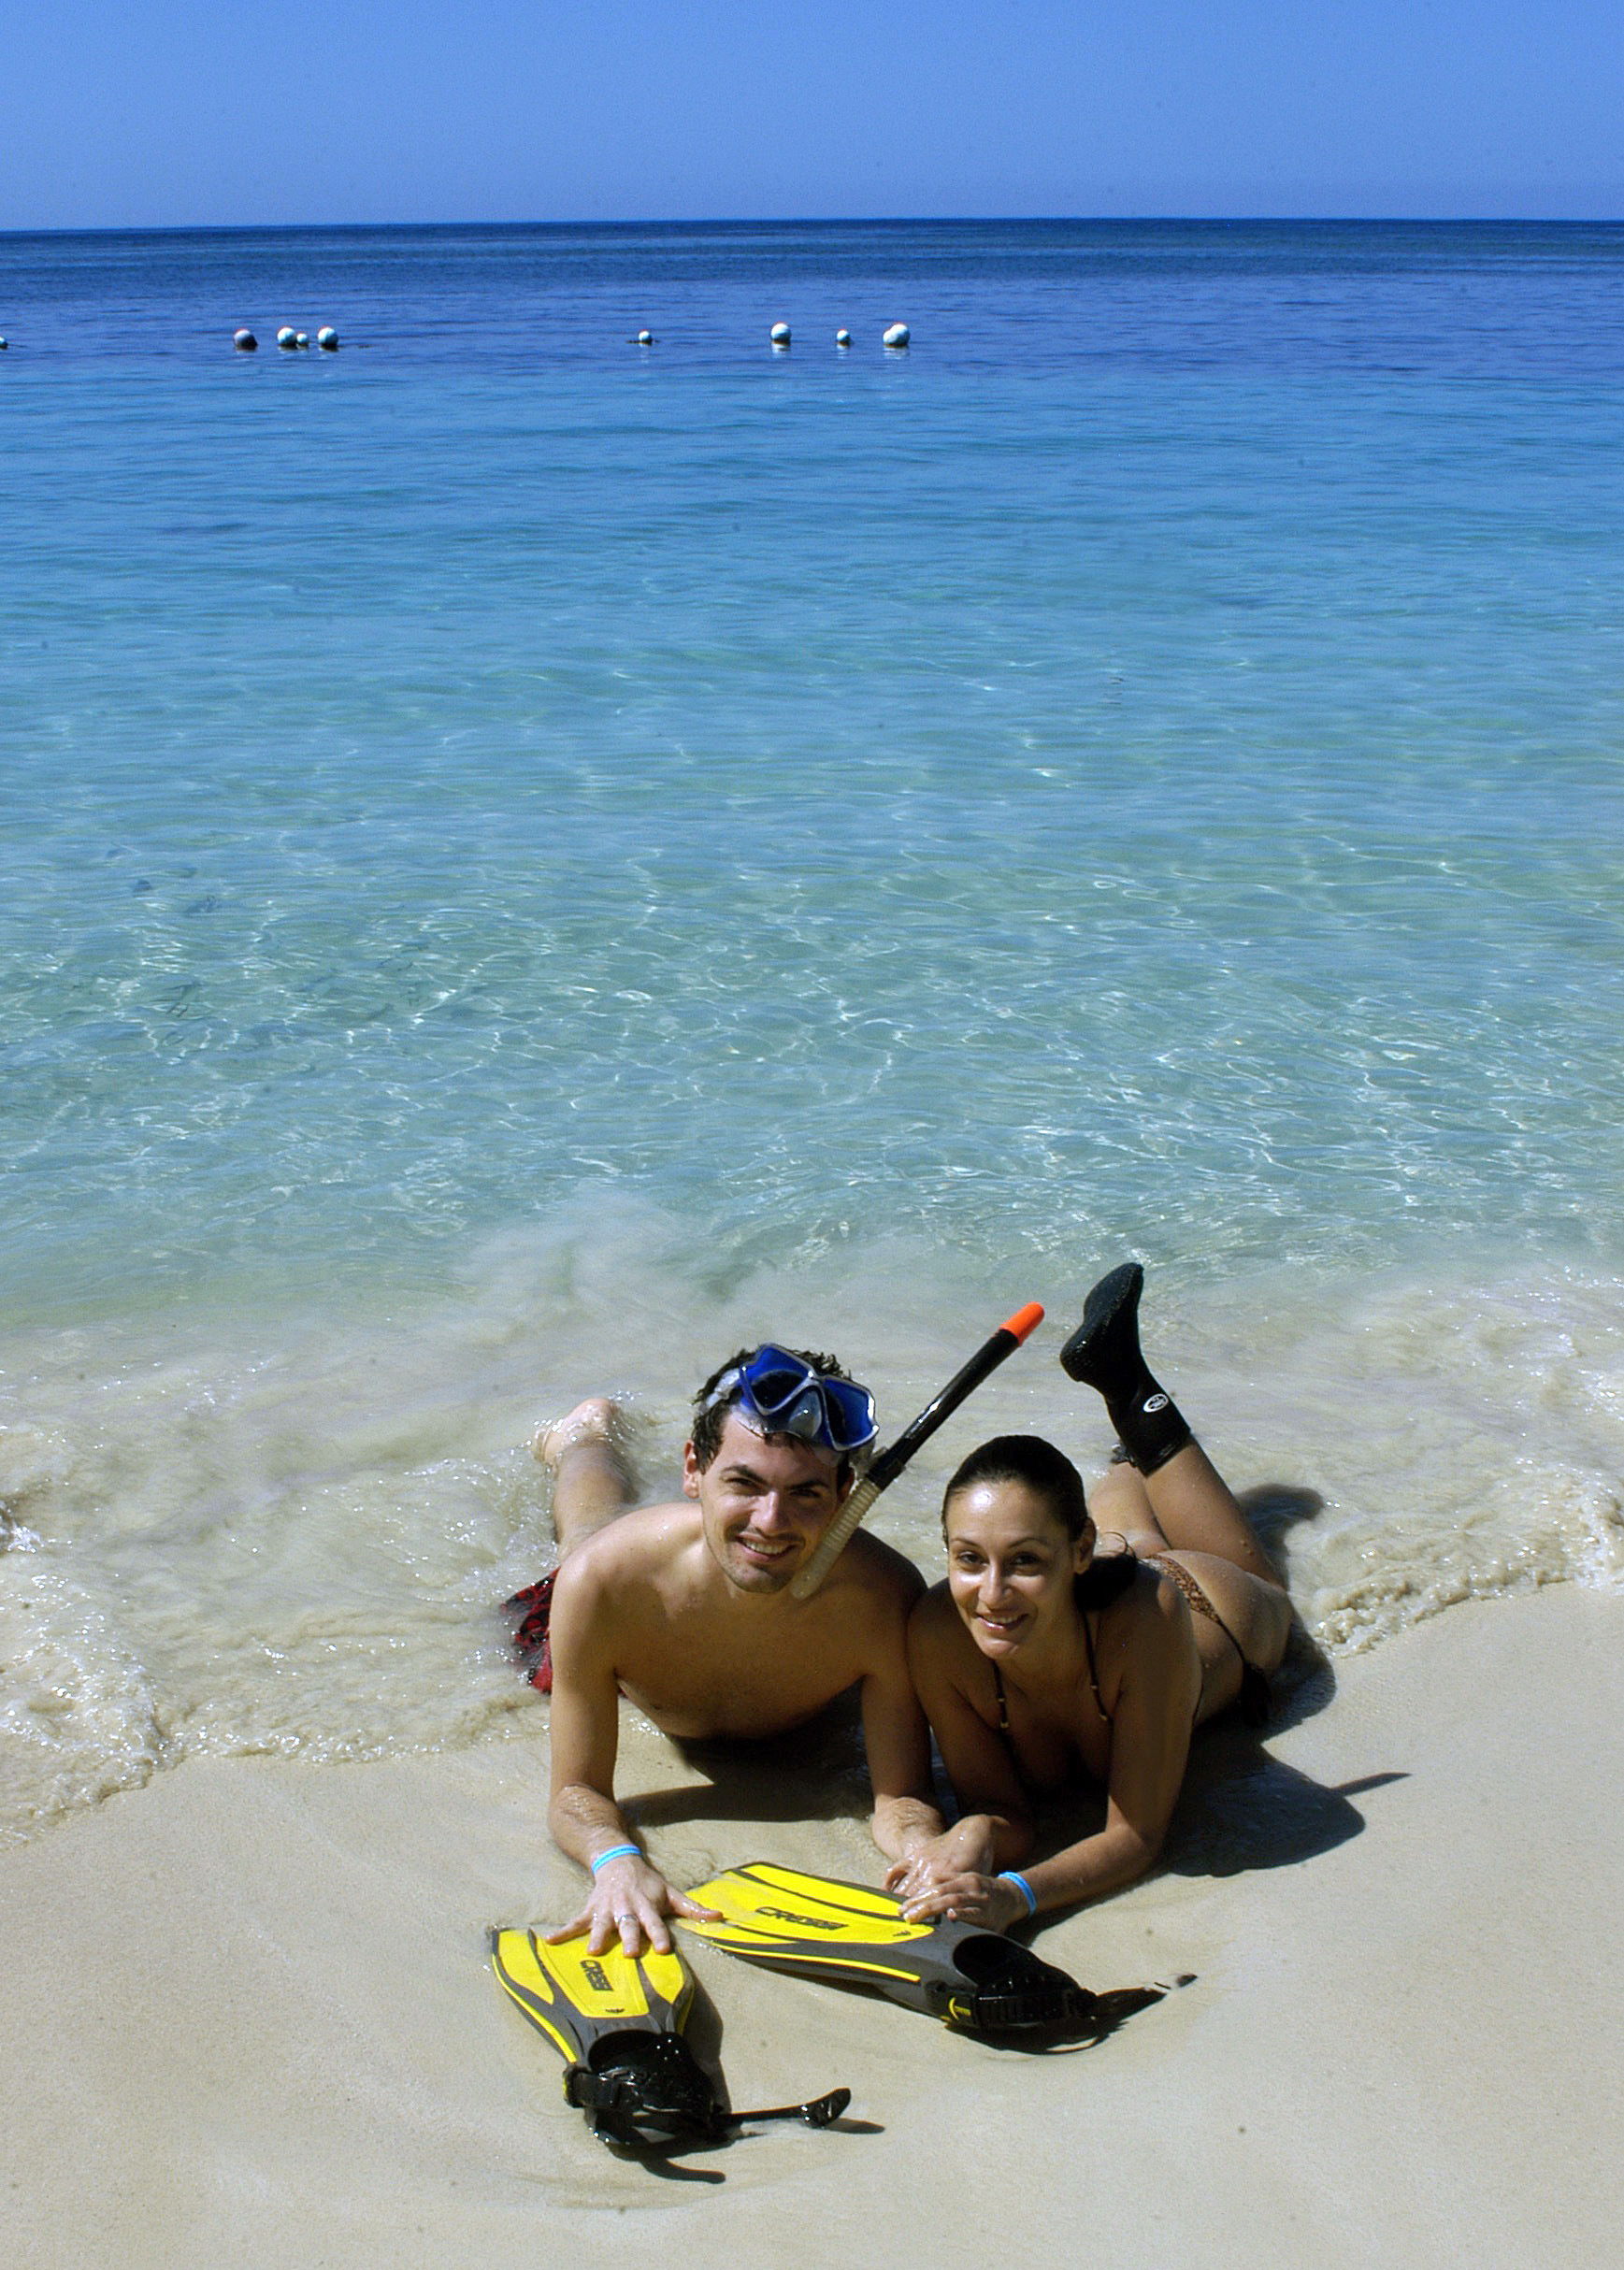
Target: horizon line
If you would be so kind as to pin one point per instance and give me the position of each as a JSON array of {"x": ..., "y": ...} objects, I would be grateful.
[{"x": 723, "y": 221}]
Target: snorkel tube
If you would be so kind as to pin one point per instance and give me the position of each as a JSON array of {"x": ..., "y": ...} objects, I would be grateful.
[{"x": 891, "y": 1461}]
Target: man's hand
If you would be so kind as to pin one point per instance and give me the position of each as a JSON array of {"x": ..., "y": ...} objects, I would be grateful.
[{"x": 631, "y": 1900}]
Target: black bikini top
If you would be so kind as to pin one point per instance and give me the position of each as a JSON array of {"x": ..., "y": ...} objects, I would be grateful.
[{"x": 1101, "y": 1582}]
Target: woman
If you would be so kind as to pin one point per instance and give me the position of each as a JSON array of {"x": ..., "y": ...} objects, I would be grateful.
[{"x": 1040, "y": 1654}]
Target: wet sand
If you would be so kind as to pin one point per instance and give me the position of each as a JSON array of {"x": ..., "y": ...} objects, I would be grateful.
[{"x": 245, "y": 2017}]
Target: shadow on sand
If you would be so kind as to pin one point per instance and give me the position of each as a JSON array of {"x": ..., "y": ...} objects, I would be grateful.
[{"x": 1241, "y": 1808}]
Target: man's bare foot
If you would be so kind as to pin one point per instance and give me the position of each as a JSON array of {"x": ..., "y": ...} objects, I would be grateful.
[
  {"x": 596, "y": 1420},
  {"x": 592, "y": 1481}
]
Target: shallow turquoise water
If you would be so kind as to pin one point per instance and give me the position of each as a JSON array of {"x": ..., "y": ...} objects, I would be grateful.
[
  {"x": 1167, "y": 794},
  {"x": 637, "y": 842}
]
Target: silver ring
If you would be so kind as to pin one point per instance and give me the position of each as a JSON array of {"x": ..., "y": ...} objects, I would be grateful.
[{"x": 627, "y": 1917}]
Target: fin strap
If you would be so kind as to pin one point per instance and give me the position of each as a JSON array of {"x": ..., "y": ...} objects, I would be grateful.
[
  {"x": 1020, "y": 2009},
  {"x": 644, "y": 2089}
]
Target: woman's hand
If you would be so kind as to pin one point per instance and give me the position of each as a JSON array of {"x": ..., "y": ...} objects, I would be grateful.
[
  {"x": 960, "y": 1852},
  {"x": 629, "y": 1901},
  {"x": 968, "y": 1897}
]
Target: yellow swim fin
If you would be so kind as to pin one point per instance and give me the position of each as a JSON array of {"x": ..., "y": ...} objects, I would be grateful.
[
  {"x": 617, "y": 2021},
  {"x": 854, "y": 1936}
]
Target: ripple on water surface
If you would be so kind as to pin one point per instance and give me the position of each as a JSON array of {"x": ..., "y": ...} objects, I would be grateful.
[
  {"x": 291, "y": 1537},
  {"x": 528, "y": 863}
]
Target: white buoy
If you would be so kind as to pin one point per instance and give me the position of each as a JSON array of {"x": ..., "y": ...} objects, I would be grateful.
[
  {"x": 645, "y": 339},
  {"x": 301, "y": 338},
  {"x": 781, "y": 335},
  {"x": 244, "y": 341},
  {"x": 326, "y": 337},
  {"x": 287, "y": 336},
  {"x": 4, "y": 344},
  {"x": 842, "y": 339},
  {"x": 897, "y": 336}
]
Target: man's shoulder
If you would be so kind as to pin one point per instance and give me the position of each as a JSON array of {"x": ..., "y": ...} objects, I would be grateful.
[
  {"x": 876, "y": 1570},
  {"x": 633, "y": 1547}
]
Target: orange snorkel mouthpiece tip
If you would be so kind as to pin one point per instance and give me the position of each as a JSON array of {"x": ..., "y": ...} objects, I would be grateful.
[{"x": 1025, "y": 1321}]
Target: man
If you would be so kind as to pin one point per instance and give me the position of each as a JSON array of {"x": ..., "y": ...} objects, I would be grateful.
[{"x": 686, "y": 1608}]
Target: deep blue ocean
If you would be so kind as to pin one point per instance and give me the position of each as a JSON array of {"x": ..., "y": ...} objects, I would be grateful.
[{"x": 525, "y": 852}]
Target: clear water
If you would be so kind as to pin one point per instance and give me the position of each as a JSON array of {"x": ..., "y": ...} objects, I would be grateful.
[{"x": 529, "y": 859}]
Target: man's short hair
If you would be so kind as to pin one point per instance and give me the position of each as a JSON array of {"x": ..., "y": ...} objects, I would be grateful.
[{"x": 710, "y": 1418}]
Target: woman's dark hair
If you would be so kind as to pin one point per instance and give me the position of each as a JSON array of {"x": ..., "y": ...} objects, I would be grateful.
[{"x": 1027, "y": 1458}]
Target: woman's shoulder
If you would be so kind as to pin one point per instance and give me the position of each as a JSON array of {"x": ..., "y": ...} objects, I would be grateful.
[
  {"x": 1149, "y": 1614},
  {"x": 1119, "y": 1588},
  {"x": 1132, "y": 1594}
]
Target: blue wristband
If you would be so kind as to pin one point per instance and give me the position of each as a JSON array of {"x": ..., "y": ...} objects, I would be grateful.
[
  {"x": 1011, "y": 1875},
  {"x": 624, "y": 1852}
]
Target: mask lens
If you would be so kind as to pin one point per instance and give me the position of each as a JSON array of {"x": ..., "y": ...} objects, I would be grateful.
[
  {"x": 850, "y": 1413},
  {"x": 784, "y": 1389},
  {"x": 775, "y": 1378},
  {"x": 807, "y": 1421}
]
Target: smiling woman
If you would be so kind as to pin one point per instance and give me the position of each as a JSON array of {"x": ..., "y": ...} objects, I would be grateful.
[{"x": 1039, "y": 1655}]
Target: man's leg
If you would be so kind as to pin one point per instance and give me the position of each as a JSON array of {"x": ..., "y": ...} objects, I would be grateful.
[{"x": 592, "y": 1481}]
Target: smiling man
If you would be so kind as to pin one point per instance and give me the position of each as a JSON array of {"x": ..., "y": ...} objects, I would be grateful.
[{"x": 685, "y": 1609}]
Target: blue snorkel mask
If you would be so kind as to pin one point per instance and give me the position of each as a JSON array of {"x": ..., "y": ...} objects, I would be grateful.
[{"x": 780, "y": 1393}]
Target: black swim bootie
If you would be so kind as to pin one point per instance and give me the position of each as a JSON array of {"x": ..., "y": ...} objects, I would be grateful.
[{"x": 1104, "y": 1354}]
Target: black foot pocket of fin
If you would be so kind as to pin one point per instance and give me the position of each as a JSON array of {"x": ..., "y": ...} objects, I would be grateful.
[
  {"x": 1011, "y": 1990},
  {"x": 647, "y": 2092},
  {"x": 1103, "y": 1351},
  {"x": 1017, "y": 1996}
]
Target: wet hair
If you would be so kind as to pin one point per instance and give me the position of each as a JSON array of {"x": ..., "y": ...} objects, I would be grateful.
[
  {"x": 1048, "y": 1472},
  {"x": 706, "y": 1432}
]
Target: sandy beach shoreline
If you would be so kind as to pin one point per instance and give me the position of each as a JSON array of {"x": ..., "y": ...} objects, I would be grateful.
[{"x": 246, "y": 2020}]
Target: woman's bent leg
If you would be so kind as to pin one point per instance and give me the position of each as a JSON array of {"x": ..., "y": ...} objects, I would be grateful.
[
  {"x": 1197, "y": 1512},
  {"x": 1187, "y": 1513},
  {"x": 1121, "y": 1507}
]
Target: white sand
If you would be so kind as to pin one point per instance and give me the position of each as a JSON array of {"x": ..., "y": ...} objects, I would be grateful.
[{"x": 245, "y": 2017}]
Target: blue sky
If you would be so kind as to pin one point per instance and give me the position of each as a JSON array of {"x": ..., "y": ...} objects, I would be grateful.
[{"x": 173, "y": 112}]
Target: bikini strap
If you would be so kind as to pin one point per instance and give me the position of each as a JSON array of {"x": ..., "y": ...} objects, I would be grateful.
[
  {"x": 1092, "y": 1681},
  {"x": 1094, "y": 1671}
]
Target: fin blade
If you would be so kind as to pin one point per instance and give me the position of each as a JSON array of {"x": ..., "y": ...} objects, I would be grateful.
[
  {"x": 821, "y": 1927},
  {"x": 576, "y": 1998},
  {"x": 531, "y": 1990},
  {"x": 786, "y": 1905}
]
